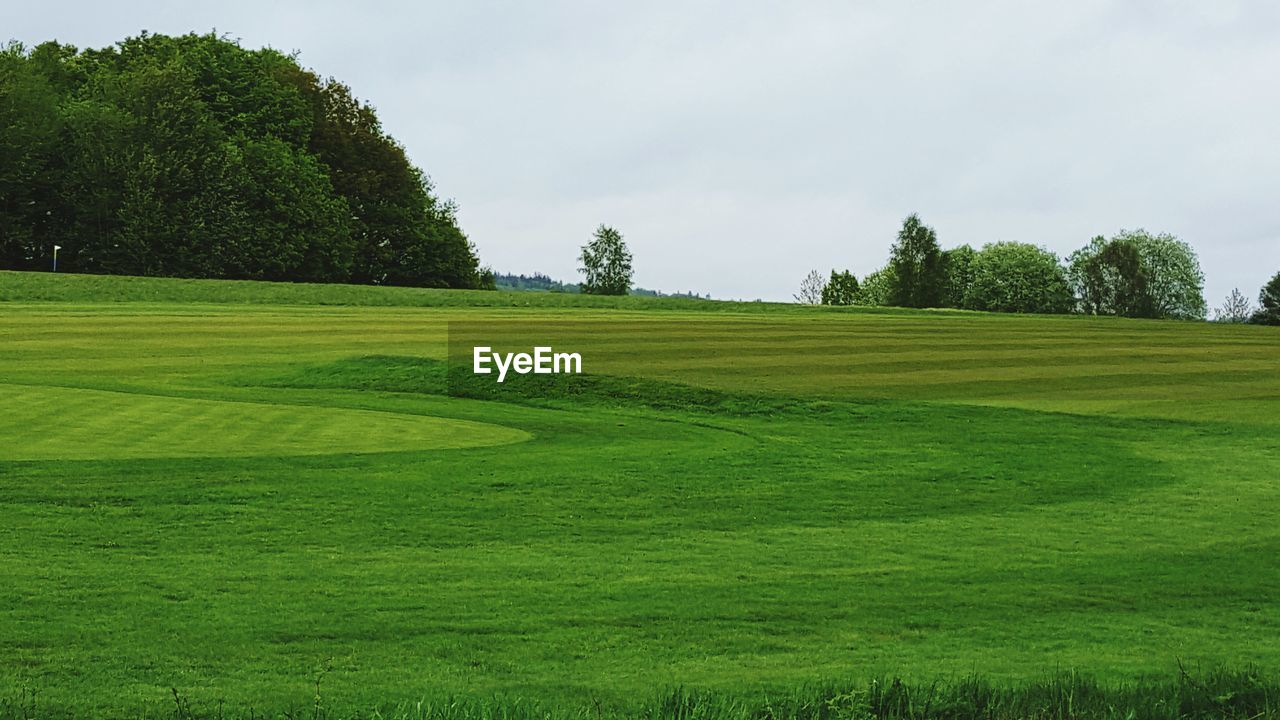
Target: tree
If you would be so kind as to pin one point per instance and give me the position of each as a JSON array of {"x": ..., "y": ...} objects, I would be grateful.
[
  {"x": 1269, "y": 301},
  {"x": 301, "y": 229},
  {"x": 191, "y": 156},
  {"x": 957, "y": 273},
  {"x": 404, "y": 234},
  {"x": 917, "y": 266},
  {"x": 841, "y": 289},
  {"x": 1137, "y": 274},
  {"x": 876, "y": 287},
  {"x": 1019, "y": 278},
  {"x": 29, "y": 129},
  {"x": 606, "y": 264},
  {"x": 812, "y": 289},
  {"x": 1235, "y": 309},
  {"x": 1107, "y": 278},
  {"x": 1175, "y": 280}
]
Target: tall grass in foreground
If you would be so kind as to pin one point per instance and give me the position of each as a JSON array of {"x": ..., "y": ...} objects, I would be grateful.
[{"x": 1243, "y": 695}]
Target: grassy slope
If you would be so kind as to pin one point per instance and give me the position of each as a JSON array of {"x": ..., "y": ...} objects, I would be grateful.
[
  {"x": 44, "y": 287},
  {"x": 1089, "y": 493}
]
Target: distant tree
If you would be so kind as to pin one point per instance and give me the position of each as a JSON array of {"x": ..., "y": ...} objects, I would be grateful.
[
  {"x": 1235, "y": 309},
  {"x": 917, "y": 266},
  {"x": 841, "y": 289},
  {"x": 876, "y": 288},
  {"x": 1107, "y": 278},
  {"x": 1269, "y": 301},
  {"x": 811, "y": 289},
  {"x": 1019, "y": 278},
  {"x": 1137, "y": 274},
  {"x": 536, "y": 281},
  {"x": 606, "y": 264},
  {"x": 1175, "y": 280},
  {"x": 957, "y": 272}
]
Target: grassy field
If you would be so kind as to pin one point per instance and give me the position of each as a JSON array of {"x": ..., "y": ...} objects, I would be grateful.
[{"x": 259, "y": 493}]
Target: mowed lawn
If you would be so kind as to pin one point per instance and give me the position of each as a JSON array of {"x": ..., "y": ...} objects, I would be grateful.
[{"x": 238, "y": 499}]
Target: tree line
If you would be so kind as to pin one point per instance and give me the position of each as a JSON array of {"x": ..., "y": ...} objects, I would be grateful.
[
  {"x": 193, "y": 157},
  {"x": 539, "y": 282},
  {"x": 1131, "y": 274}
]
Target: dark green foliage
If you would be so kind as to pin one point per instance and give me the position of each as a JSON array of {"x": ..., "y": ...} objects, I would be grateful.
[
  {"x": 957, "y": 272},
  {"x": 193, "y": 157},
  {"x": 1268, "y": 312},
  {"x": 606, "y": 264},
  {"x": 841, "y": 289},
  {"x": 1108, "y": 279},
  {"x": 688, "y": 295},
  {"x": 300, "y": 228},
  {"x": 404, "y": 233},
  {"x": 1018, "y": 277},
  {"x": 917, "y": 266},
  {"x": 536, "y": 281},
  {"x": 28, "y": 136},
  {"x": 1136, "y": 274}
]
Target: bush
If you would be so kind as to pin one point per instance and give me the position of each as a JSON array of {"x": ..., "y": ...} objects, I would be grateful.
[{"x": 1018, "y": 278}]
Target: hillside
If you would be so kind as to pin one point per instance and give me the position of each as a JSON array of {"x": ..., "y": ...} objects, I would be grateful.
[
  {"x": 68, "y": 287},
  {"x": 237, "y": 493}
]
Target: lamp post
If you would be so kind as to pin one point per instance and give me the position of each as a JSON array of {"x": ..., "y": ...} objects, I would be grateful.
[{"x": 56, "y": 248}]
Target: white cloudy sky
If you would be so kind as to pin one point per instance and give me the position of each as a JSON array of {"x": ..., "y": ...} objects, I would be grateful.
[{"x": 738, "y": 145}]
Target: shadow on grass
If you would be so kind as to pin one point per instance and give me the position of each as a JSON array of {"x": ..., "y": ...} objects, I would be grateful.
[{"x": 426, "y": 376}]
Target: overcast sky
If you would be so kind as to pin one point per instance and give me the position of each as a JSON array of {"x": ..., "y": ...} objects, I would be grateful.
[{"x": 738, "y": 145}]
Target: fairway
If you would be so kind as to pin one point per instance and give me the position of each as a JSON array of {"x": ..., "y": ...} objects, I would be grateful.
[{"x": 241, "y": 500}]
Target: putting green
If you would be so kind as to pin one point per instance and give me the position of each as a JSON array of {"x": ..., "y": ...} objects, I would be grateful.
[{"x": 57, "y": 423}]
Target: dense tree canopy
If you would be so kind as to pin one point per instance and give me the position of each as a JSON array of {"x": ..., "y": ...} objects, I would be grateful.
[
  {"x": 877, "y": 287},
  {"x": 1018, "y": 277},
  {"x": 191, "y": 156},
  {"x": 1137, "y": 274},
  {"x": 841, "y": 289},
  {"x": 957, "y": 275},
  {"x": 1134, "y": 274}
]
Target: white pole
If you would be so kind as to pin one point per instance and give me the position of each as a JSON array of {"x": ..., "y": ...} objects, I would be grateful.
[{"x": 56, "y": 248}]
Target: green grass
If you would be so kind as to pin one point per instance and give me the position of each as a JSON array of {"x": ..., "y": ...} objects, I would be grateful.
[
  {"x": 50, "y": 287},
  {"x": 743, "y": 501},
  {"x": 75, "y": 424},
  {"x": 1242, "y": 695}
]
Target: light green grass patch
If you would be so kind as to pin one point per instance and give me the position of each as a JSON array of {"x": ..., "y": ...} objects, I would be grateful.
[{"x": 56, "y": 423}]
